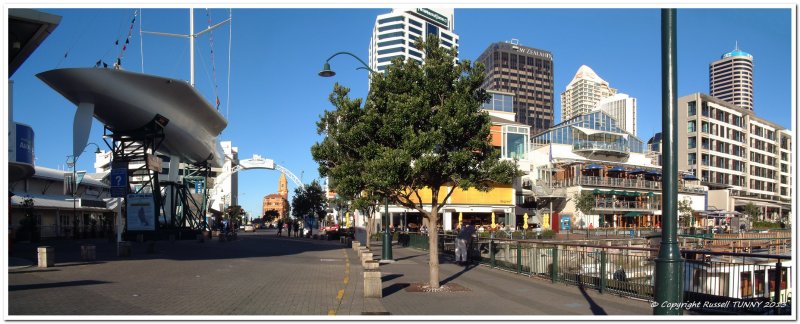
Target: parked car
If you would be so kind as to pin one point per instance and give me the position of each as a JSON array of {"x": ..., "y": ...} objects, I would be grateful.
[{"x": 249, "y": 228}]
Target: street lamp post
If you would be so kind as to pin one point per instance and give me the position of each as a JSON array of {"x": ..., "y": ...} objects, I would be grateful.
[
  {"x": 74, "y": 185},
  {"x": 386, "y": 253}
]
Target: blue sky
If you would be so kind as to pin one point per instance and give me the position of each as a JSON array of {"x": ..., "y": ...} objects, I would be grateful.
[{"x": 276, "y": 96}]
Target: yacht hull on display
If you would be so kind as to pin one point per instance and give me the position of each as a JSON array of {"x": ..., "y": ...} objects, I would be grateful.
[{"x": 126, "y": 101}]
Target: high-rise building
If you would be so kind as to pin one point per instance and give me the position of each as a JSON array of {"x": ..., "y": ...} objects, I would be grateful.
[
  {"x": 394, "y": 34},
  {"x": 583, "y": 93},
  {"x": 622, "y": 108},
  {"x": 731, "y": 78},
  {"x": 527, "y": 73},
  {"x": 742, "y": 158}
]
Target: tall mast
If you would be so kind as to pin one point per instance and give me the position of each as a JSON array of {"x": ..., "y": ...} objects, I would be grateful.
[{"x": 191, "y": 46}]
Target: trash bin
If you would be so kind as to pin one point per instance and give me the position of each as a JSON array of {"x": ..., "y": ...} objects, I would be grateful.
[
  {"x": 124, "y": 249},
  {"x": 88, "y": 252}
]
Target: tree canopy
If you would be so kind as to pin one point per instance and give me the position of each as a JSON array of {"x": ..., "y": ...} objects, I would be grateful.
[
  {"x": 309, "y": 201},
  {"x": 420, "y": 132}
]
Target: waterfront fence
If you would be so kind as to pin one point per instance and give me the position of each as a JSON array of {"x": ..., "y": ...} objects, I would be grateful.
[{"x": 718, "y": 278}]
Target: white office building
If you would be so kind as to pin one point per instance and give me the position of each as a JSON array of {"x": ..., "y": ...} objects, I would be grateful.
[
  {"x": 622, "y": 108},
  {"x": 583, "y": 93},
  {"x": 394, "y": 34}
]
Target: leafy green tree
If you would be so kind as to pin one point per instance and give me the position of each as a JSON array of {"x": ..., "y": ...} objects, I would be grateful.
[
  {"x": 271, "y": 215},
  {"x": 584, "y": 202},
  {"x": 420, "y": 132},
  {"x": 753, "y": 211},
  {"x": 685, "y": 211},
  {"x": 309, "y": 201},
  {"x": 235, "y": 213}
]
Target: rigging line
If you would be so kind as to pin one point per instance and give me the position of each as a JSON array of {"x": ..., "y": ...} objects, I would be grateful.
[
  {"x": 118, "y": 63},
  {"x": 205, "y": 68},
  {"x": 141, "y": 39},
  {"x": 75, "y": 40},
  {"x": 230, "y": 41},
  {"x": 213, "y": 64},
  {"x": 117, "y": 36}
]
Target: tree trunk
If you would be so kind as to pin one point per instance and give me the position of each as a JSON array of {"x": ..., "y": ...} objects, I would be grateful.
[{"x": 433, "y": 247}]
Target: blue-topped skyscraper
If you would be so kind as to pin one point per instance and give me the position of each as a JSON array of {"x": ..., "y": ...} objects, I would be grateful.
[{"x": 731, "y": 78}]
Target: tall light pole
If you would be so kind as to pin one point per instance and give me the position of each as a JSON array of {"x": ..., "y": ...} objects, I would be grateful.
[
  {"x": 74, "y": 185},
  {"x": 669, "y": 264},
  {"x": 386, "y": 252}
]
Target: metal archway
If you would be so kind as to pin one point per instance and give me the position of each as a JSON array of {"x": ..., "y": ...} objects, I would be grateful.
[{"x": 258, "y": 162}]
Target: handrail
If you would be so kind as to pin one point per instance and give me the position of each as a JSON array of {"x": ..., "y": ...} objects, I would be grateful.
[{"x": 748, "y": 255}]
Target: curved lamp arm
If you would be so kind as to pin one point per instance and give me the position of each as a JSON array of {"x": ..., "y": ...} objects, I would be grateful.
[{"x": 366, "y": 66}]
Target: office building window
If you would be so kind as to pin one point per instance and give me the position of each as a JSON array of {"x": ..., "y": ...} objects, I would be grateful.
[
  {"x": 692, "y": 108},
  {"x": 431, "y": 29},
  {"x": 390, "y": 19}
]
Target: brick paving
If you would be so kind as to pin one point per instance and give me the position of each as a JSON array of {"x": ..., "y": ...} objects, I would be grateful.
[{"x": 264, "y": 275}]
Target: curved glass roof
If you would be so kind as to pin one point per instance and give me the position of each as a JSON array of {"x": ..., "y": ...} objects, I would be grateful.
[
  {"x": 596, "y": 126},
  {"x": 737, "y": 53}
]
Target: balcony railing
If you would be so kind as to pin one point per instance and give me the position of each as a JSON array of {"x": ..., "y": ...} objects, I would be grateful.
[
  {"x": 620, "y": 183},
  {"x": 615, "y": 148},
  {"x": 629, "y": 205}
]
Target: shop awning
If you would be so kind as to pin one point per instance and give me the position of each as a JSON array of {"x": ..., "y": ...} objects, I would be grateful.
[
  {"x": 632, "y": 214},
  {"x": 690, "y": 177},
  {"x": 617, "y": 169},
  {"x": 637, "y": 171},
  {"x": 593, "y": 167},
  {"x": 650, "y": 194}
]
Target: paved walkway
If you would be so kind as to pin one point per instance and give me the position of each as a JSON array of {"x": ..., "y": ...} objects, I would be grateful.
[{"x": 264, "y": 275}]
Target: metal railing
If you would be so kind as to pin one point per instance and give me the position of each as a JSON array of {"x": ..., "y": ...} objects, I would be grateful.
[
  {"x": 621, "y": 183},
  {"x": 721, "y": 281}
]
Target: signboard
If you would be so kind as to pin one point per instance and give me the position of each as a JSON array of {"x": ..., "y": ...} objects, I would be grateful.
[
  {"x": 141, "y": 212},
  {"x": 118, "y": 177},
  {"x": 24, "y": 144},
  {"x": 198, "y": 187},
  {"x": 433, "y": 15}
]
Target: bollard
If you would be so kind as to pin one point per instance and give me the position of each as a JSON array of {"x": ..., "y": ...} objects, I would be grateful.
[
  {"x": 355, "y": 245},
  {"x": 348, "y": 242},
  {"x": 124, "y": 249},
  {"x": 88, "y": 252},
  {"x": 370, "y": 264},
  {"x": 47, "y": 256},
  {"x": 372, "y": 284},
  {"x": 366, "y": 256}
]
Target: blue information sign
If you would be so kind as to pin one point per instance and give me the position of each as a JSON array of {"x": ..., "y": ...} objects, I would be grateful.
[{"x": 119, "y": 182}]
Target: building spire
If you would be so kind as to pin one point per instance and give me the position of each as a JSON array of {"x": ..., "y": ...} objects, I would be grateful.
[{"x": 737, "y": 46}]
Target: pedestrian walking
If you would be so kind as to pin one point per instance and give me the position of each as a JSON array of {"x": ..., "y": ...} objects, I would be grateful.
[
  {"x": 296, "y": 228},
  {"x": 462, "y": 241},
  {"x": 280, "y": 226},
  {"x": 289, "y": 229}
]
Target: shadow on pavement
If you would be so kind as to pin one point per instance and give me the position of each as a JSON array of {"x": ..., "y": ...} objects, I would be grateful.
[
  {"x": 56, "y": 284},
  {"x": 32, "y": 271},
  {"x": 390, "y": 277},
  {"x": 394, "y": 288},
  {"x": 466, "y": 268},
  {"x": 596, "y": 309},
  {"x": 248, "y": 245}
]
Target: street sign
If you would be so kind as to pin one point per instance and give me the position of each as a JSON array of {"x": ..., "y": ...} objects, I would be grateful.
[{"x": 119, "y": 182}]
